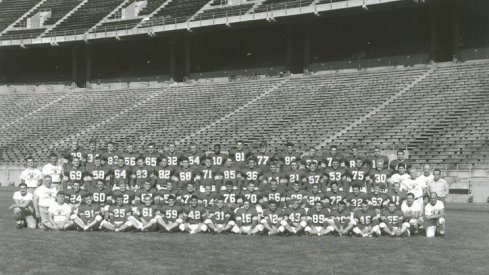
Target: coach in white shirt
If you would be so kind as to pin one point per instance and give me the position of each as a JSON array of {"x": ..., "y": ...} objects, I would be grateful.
[
  {"x": 401, "y": 176},
  {"x": 54, "y": 170},
  {"x": 59, "y": 214},
  {"x": 438, "y": 185},
  {"x": 416, "y": 187},
  {"x": 22, "y": 208},
  {"x": 43, "y": 198},
  {"x": 31, "y": 176},
  {"x": 412, "y": 212},
  {"x": 434, "y": 215}
]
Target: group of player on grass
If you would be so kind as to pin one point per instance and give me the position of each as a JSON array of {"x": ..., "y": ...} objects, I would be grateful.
[{"x": 241, "y": 192}]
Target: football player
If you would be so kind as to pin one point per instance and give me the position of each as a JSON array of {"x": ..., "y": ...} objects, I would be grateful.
[
  {"x": 208, "y": 198},
  {"x": 332, "y": 155},
  {"x": 75, "y": 172},
  {"x": 297, "y": 193},
  {"x": 394, "y": 165},
  {"x": 306, "y": 160},
  {"x": 254, "y": 196},
  {"x": 89, "y": 214},
  {"x": 111, "y": 155},
  {"x": 75, "y": 151},
  {"x": 218, "y": 158},
  {"x": 272, "y": 218},
  {"x": 315, "y": 195},
  {"x": 376, "y": 199},
  {"x": 294, "y": 218},
  {"x": 334, "y": 173},
  {"x": 128, "y": 196},
  {"x": 342, "y": 221},
  {"x": 358, "y": 174},
  {"x": 275, "y": 174},
  {"x": 351, "y": 160},
  {"x": 185, "y": 195},
  {"x": 355, "y": 198},
  {"x": 313, "y": 175},
  {"x": 289, "y": 155},
  {"x": 319, "y": 222},
  {"x": 219, "y": 219},
  {"x": 392, "y": 221},
  {"x": 247, "y": 220},
  {"x": 251, "y": 173},
  {"x": 294, "y": 174},
  {"x": 170, "y": 215},
  {"x": 130, "y": 156},
  {"x": 335, "y": 196},
  {"x": 372, "y": 160},
  {"x": 96, "y": 171},
  {"x": 194, "y": 156},
  {"x": 121, "y": 173},
  {"x": 92, "y": 152},
  {"x": 117, "y": 217},
  {"x": 185, "y": 174},
  {"x": 141, "y": 173},
  {"x": 146, "y": 191},
  {"x": 146, "y": 214},
  {"x": 274, "y": 193},
  {"x": 22, "y": 207},
  {"x": 231, "y": 195},
  {"x": 396, "y": 195},
  {"x": 240, "y": 154},
  {"x": 195, "y": 215},
  {"x": 366, "y": 221},
  {"x": 206, "y": 176},
  {"x": 163, "y": 194},
  {"x": 434, "y": 214},
  {"x": 74, "y": 195},
  {"x": 230, "y": 172},
  {"x": 101, "y": 195},
  {"x": 381, "y": 176},
  {"x": 173, "y": 156},
  {"x": 151, "y": 157},
  {"x": 163, "y": 173},
  {"x": 264, "y": 157}
]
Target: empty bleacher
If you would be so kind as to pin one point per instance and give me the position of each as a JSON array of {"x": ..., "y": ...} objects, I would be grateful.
[
  {"x": 221, "y": 9},
  {"x": 176, "y": 11},
  {"x": 58, "y": 9},
  {"x": 441, "y": 116},
  {"x": 270, "y": 5},
  {"x": 11, "y": 10},
  {"x": 85, "y": 17}
]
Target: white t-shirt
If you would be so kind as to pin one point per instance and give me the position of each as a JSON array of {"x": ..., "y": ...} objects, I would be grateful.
[
  {"x": 60, "y": 212},
  {"x": 46, "y": 195},
  {"x": 399, "y": 178},
  {"x": 434, "y": 209},
  {"x": 54, "y": 171},
  {"x": 406, "y": 209},
  {"x": 425, "y": 179},
  {"x": 31, "y": 177},
  {"x": 23, "y": 199},
  {"x": 413, "y": 186}
]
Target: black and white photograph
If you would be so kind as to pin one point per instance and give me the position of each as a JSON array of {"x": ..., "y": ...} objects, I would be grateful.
[{"x": 244, "y": 137}]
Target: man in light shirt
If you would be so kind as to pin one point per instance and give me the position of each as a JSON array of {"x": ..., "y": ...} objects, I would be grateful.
[
  {"x": 434, "y": 216},
  {"x": 31, "y": 176},
  {"x": 59, "y": 214},
  {"x": 416, "y": 187},
  {"x": 43, "y": 198},
  {"x": 438, "y": 185},
  {"x": 412, "y": 213},
  {"x": 54, "y": 170},
  {"x": 22, "y": 208},
  {"x": 401, "y": 176}
]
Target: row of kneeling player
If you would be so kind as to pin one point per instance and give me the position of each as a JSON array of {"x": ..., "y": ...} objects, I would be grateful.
[{"x": 246, "y": 218}]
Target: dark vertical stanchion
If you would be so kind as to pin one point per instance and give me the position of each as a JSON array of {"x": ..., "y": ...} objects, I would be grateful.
[
  {"x": 188, "y": 56},
  {"x": 88, "y": 63},
  {"x": 173, "y": 60},
  {"x": 74, "y": 64},
  {"x": 307, "y": 44},
  {"x": 290, "y": 47},
  {"x": 456, "y": 30}
]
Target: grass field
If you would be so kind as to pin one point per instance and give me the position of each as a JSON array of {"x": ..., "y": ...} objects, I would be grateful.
[{"x": 464, "y": 250}]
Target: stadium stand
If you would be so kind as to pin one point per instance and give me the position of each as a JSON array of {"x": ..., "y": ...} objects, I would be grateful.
[
  {"x": 304, "y": 109},
  {"x": 85, "y": 17},
  {"x": 217, "y": 10},
  {"x": 57, "y": 10},
  {"x": 269, "y": 5},
  {"x": 11, "y": 10},
  {"x": 176, "y": 11}
]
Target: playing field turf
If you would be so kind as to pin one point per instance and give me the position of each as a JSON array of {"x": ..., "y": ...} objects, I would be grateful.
[{"x": 464, "y": 250}]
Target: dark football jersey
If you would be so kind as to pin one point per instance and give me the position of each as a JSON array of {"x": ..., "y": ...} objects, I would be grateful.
[
  {"x": 277, "y": 176},
  {"x": 351, "y": 161},
  {"x": 239, "y": 156},
  {"x": 152, "y": 159},
  {"x": 130, "y": 158},
  {"x": 98, "y": 172},
  {"x": 356, "y": 200},
  {"x": 246, "y": 216},
  {"x": 218, "y": 159},
  {"x": 142, "y": 193},
  {"x": 185, "y": 196},
  {"x": 101, "y": 196},
  {"x": 230, "y": 196},
  {"x": 207, "y": 176},
  {"x": 365, "y": 218},
  {"x": 335, "y": 198},
  {"x": 185, "y": 175},
  {"x": 171, "y": 213},
  {"x": 392, "y": 218},
  {"x": 232, "y": 173},
  {"x": 254, "y": 197},
  {"x": 275, "y": 195},
  {"x": 328, "y": 159},
  {"x": 127, "y": 196},
  {"x": 220, "y": 215},
  {"x": 306, "y": 160},
  {"x": 263, "y": 159},
  {"x": 119, "y": 213},
  {"x": 295, "y": 215},
  {"x": 87, "y": 213},
  {"x": 72, "y": 153},
  {"x": 393, "y": 165},
  {"x": 312, "y": 198},
  {"x": 208, "y": 200},
  {"x": 319, "y": 218},
  {"x": 148, "y": 212},
  {"x": 251, "y": 174},
  {"x": 334, "y": 175},
  {"x": 165, "y": 193},
  {"x": 273, "y": 217},
  {"x": 296, "y": 195},
  {"x": 173, "y": 158},
  {"x": 377, "y": 200},
  {"x": 74, "y": 196},
  {"x": 396, "y": 197},
  {"x": 143, "y": 174},
  {"x": 90, "y": 156},
  {"x": 195, "y": 214},
  {"x": 287, "y": 157},
  {"x": 294, "y": 176},
  {"x": 195, "y": 158},
  {"x": 372, "y": 161},
  {"x": 111, "y": 157},
  {"x": 163, "y": 174},
  {"x": 358, "y": 175},
  {"x": 75, "y": 173},
  {"x": 341, "y": 218},
  {"x": 380, "y": 177}
]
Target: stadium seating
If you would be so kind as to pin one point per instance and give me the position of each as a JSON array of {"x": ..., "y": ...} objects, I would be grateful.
[
  {"x": 216, "y": 11},
  {"x": 441, "y": 115},
  {"x": 176, "y": 11},
  {"x": 58, "y": 9},
  {"x": 85, "y": 17},
  {"x": 270, "y": 5},
  {"x": 11, "y": 10}
]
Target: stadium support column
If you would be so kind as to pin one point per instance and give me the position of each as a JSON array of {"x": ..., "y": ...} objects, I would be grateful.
[
  {"x": 173, "y": 60},
  {"x": 88, "y": 71},
  {"x": 74, "y": 64},
  {"x": 433, "y": 22},
  {"x": 456, "y": 30},
  {"x": 188, "y": 57},
  {"x": 307, "y": 43}
]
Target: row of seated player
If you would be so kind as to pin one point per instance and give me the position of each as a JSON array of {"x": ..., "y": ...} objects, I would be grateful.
[
  {"x": 301, "y": 116},
  {"x": 58, "y": 10},
  {"x": 226, "y": 212},
  {"x": 176, "y": 11},
  {"x": 86, "y": 17}
]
